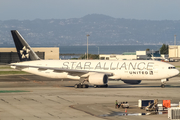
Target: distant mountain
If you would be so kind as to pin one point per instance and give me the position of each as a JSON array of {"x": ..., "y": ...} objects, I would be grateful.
[{"x": 103, "y": 30}]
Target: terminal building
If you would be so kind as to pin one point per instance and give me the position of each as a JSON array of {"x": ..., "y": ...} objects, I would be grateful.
[
  {"x": 9, "y": 55},
  {"x": 138, "y": 55},
  {"x": 174, "y": 55},
  {"x": 174, "y": 52}
]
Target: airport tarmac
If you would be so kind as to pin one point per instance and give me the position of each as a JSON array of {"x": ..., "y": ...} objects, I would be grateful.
[{"x": 33, "y": 97}]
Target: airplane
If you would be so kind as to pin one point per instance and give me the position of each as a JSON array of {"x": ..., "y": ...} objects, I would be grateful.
[{"x": 94, "y": 72}]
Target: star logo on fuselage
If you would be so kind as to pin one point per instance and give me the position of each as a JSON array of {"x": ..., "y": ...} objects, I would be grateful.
[{"x": 24, "y": 53}]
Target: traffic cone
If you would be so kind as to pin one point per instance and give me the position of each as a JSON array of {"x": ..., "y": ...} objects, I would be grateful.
[{"x": 126, "y": 110}]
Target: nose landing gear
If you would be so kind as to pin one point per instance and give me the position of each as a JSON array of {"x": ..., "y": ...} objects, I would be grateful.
[
  {"x": 162, "y": 85},
  {"x": 163, "y": 82}
]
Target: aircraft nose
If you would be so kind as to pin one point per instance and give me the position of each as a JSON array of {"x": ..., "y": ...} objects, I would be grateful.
[
  {"x": 173, "y": 73},
  {"x": 176, "y": 72}
]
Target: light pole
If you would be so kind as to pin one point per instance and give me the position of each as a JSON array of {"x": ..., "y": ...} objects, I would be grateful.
[
  {"x": 87, "y": 45},
  {"x": 98, "y": 49}
]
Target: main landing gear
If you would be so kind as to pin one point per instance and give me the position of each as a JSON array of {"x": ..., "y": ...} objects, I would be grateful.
[
  {"x": 81, "y": 85},
  {"x": 163, "y": 82}
]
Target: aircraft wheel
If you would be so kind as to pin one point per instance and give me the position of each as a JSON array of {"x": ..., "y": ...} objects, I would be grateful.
[
  {"x": 81, "y": 85},
  {"x": 85, "y": 86},
  {"x": 95, "y": 86},
  {"x": 76, "y": 86},
  {"x": 162, "y": 85},
  {"x": 106, "y": 85}
]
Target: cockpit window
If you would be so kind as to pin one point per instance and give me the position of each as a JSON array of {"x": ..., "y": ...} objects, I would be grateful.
[{"x": 171, "y": 67}]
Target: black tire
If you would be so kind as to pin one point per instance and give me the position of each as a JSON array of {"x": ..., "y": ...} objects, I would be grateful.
[
  {"x": 79, "y": 85},
  {"x": 84, "y": 86},
  {"x": 76, "y": 86},
  {"x": 162, "y": 85},
  {"x": 87, "y": 86}
]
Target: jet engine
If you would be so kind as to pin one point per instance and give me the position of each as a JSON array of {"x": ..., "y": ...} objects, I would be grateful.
[
  {"x": 132, "y": 82},
  {"x": 98, "y": 79}
]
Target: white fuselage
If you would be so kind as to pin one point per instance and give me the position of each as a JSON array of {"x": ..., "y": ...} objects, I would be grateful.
[{"x": 121, "y": 69}]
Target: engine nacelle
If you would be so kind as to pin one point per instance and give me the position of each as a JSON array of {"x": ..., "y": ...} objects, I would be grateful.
[
  {"x": 132, "y": 82},
  {"x": 98, "y": 79}
]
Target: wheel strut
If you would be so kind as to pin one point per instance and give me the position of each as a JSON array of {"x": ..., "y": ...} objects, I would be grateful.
[{"x": 163, "y": 82}]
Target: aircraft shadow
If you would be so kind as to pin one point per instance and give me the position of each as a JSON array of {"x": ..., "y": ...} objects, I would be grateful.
[{"x": 133, "y": 86}]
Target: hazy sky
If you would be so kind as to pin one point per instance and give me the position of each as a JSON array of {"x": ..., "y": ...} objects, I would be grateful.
[{"x": 63, "y": 9}]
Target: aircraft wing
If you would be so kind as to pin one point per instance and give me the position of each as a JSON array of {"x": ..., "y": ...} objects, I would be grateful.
[{"x": 73, "y": 72}]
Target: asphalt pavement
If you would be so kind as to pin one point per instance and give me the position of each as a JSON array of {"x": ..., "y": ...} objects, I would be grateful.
[{"x": 27, "y": 97}]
